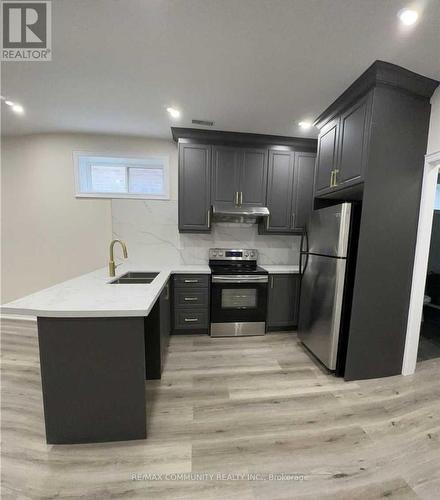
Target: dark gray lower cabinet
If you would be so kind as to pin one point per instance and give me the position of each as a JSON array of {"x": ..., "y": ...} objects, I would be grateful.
[
  {"x": 191, "y": 301},
  {"x": 282, "y": 304}
]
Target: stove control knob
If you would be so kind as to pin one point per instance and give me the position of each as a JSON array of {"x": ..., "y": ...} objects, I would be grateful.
[
  {"x": 220, "y": 254},
  {"x": 246, "y": 254},
  {"x": 252, "y": 254},
  {"x": 214, "y": 254}
]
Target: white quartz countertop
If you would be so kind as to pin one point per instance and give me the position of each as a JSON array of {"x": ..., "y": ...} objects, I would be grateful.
[
  {"x": 91, "y": 295},
  {"x": 281, "y": 269}
]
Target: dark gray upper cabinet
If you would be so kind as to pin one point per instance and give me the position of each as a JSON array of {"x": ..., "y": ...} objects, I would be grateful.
[
  {"x": 239, "y": 176},
  {"x": 302, "y": 202},
  {"x": 280, "y": 192},
  {"x": 225, "y": 174},
  {"x": 253, "y": 177},
  {"x": 327, "y": 155},
  {"x": 343, "y": 148},
  {"x": 353, "y": 143},
  {"x": 194, "y": 187},
  {"x": 282, "y": 304},
  {"x": 289, "y": 191}
]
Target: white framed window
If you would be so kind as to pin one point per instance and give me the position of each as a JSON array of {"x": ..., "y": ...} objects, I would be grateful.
[{"x": 105, "y": 176}]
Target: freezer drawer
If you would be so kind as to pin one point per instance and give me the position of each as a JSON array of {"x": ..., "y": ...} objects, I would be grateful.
[{"x": 322, "y": 288}]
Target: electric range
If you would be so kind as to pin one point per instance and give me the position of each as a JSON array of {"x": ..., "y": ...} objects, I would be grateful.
[{"x": 238, "y": 293}]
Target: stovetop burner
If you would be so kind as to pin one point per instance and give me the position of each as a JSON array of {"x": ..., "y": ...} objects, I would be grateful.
[{"x": 234, "y": 261}]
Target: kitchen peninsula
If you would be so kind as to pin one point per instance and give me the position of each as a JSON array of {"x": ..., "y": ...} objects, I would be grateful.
[{"x": 98, "y": 343}]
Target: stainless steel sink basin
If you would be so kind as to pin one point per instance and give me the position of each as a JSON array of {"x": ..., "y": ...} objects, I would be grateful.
[{"x": 134, "y": 277}]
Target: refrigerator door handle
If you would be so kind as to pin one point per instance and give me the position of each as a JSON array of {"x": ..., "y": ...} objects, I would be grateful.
[
  {"x": 307, "y": 261},
  {"x": 304, "y": 239}
]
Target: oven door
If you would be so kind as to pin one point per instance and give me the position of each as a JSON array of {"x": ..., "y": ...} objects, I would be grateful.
[{"x": 238, "y": 299}]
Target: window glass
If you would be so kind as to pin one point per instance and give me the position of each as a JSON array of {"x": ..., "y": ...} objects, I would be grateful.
[
  {"x": 108, "y": 179},
  {"x": 119, "y": 177}
]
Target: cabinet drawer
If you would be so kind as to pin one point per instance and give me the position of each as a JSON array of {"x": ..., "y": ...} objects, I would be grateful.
[
  {"x": 189, "y": 319},
  {"x": 191, "y": 297},
  {"x": 191, "y": 280}
]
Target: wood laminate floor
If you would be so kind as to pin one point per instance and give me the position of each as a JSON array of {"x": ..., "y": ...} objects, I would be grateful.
[{"x": 227, "y": 407}]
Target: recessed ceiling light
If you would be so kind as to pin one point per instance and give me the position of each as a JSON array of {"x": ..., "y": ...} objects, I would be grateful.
[
  {"x": 305, "y": 125},
  {"x": 175, "y": 113},
  {"x": 408, "y": 17},
  {"x": 17, "y": 108}
]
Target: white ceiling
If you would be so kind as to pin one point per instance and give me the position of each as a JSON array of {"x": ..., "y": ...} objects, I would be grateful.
[{"x": 250, "y": 65}]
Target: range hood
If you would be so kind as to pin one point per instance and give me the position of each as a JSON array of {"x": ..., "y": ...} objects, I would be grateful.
[{"x": 238, "y": 213}]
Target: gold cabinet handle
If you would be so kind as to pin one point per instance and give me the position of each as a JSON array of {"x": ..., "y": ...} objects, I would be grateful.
[
  {"x": 209, "y": 218},
  {"x": 335, "y": 177},
  {"x": 191, "y": 281},
  {"x": 271, "y": 281},
  {"x": 236, "y": 199},
  {"x": 190, "y": 320},
  {"x": 293, "y": 221},
  {"x": 331, "y": 178},
  {"x": 267, "y": 221},
  {"x": 188, "y": 299},
  {"x": 241, "y": 198}
]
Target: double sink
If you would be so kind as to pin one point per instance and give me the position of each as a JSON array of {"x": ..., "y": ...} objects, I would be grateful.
[{"x": 132, "y": 278}]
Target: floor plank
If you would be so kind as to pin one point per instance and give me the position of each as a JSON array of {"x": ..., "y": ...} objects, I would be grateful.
[{"x": 238, "y": 418}]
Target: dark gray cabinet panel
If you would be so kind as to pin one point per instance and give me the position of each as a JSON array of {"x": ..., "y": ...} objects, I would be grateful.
[
  {"x": 282, "y": 307},
  {"x": 327, "y": 155},
  {"x": 165, "y": 322},
  {"x": 303, "y": 192},
  {"x": 239, "y": 176},
  {"x": 226, "y": 174},
  {"x": 191, "y": 298},
  {"x": 191, "y": 301},
  {"x": 280, "y": 191},
  {"x": 353, "y": 142},
  {"x": 194, "y": 187},
  {"x": 191, "y": 280},
  {"x": 289, "y": 191},
  {"x": 190, "y": 319},
  {"x": 253, "y": 176},
  {"x": 93, "y": 379}
]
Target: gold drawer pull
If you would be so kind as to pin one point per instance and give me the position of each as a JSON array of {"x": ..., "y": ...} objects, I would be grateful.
[
  {"x": 190, "y": 320},
  {"x": 191, "y": 281},
  {"x": 190, "y": 298}
]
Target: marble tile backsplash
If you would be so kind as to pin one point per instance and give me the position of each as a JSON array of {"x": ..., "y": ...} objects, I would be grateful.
[{"x": 149, "y": 227}]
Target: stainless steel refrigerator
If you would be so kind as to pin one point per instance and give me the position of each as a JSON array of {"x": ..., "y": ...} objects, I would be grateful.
[{"x": 327, "y": 264}]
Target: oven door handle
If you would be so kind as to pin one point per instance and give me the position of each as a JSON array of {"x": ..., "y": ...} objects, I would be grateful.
[{"x": 240, "y": 278}]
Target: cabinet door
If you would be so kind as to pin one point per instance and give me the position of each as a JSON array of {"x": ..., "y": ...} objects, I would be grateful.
[
  {"x": 279, "y": 191},
  {"x": 194, "y": 187},
  {"x": 302, "y": 203},
  {"x": 225, "y": 175},
  {"x": 283, "y": 300},
  {"x": 253, "y": 177},
  {"x": 327, "y": 155},
  {"x": 353, "y": 142}
]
